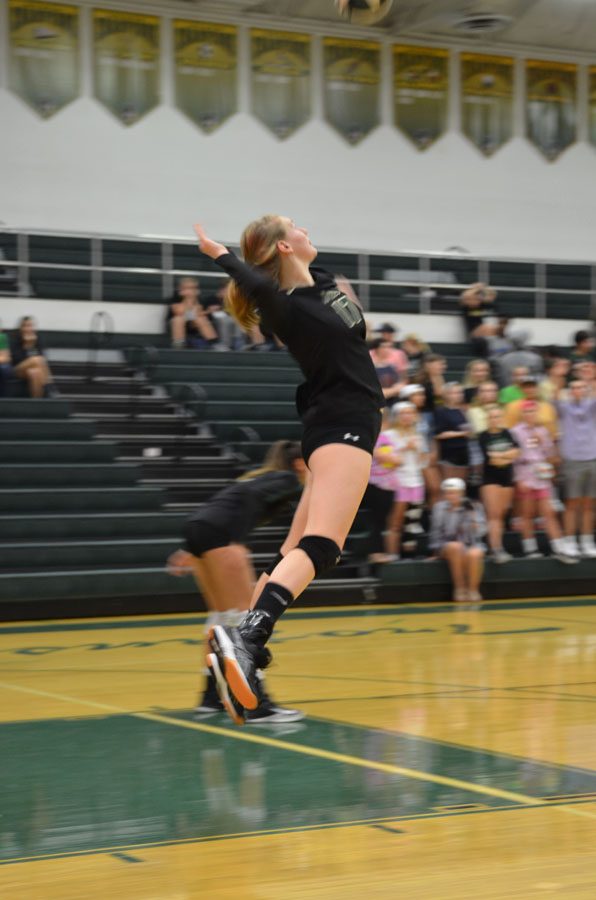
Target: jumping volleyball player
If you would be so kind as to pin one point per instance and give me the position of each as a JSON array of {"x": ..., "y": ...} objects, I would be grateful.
[
  {"x": 216, "y": 554},
  {"x": 339, "y": 404}
]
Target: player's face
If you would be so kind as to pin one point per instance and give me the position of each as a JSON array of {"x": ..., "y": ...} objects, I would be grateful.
[{"x": 298, "y": 240}]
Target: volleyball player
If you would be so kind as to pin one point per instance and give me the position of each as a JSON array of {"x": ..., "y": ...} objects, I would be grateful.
[
  {"x": 216, "y": 554},
  {"x": 339, "y": 404}
]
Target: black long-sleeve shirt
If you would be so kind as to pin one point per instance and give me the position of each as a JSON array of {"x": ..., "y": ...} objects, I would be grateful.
[{"x": 325, "y": 333}]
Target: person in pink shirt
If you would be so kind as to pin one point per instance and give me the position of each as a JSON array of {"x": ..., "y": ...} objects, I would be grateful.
[
  {"x": 534, "y": 471},
  {"x": 396, "y": 357}
]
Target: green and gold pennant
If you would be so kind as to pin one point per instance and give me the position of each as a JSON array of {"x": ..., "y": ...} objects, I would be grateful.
[
  {"x": 420, "y": 93},
  {"x": 206, "y": 62}
]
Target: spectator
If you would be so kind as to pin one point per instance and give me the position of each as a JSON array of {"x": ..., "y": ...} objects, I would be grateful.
[
  {"x": 477, "y": 371},
  {"x": 499, "y": 449},
  {"x": 457, "y": 528},
  {"x": 432, "y": 379},
  {"x": 414, "y": 393},
  {"x": 476, "y": 303},
  {"x": 452, "y": 430},
  {"x": 547, "y": 414},
  {"x": 391, "y": 379},
  {"x": 29, "y": 362},
  {"x": 380, "y": 493},
  {"x": 520, "y": 357},
  {"x": 485, "y": 399},
  {"x": 534, "y": 471},
  {"x": 415, "y": 350},
  {"x": 514, "y": 390},
  {"x": 5, "y": 359},
  {"x": 411, "y": 457},
  {"x": 556, "y": 371},
  {"x": 583, "y": 349},
  {"x": 586, "y": 371},
  {"x": 577, "y": 415},
  {"x": 187, "y": 321},
  {"x": 397, "y": 358},
  {"x": 499, "y": 341}
]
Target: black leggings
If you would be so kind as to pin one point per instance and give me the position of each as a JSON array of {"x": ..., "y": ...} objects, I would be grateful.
[{"x": 378, "y": 503}]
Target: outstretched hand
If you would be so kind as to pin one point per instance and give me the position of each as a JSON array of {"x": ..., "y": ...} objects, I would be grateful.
[{"x": 210, "y": 248}]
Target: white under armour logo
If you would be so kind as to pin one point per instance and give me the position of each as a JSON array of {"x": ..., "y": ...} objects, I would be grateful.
[{"x": 351, "y": 437}]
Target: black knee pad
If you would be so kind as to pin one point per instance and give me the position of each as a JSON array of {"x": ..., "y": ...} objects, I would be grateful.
[{"x": 323, "y": 553}]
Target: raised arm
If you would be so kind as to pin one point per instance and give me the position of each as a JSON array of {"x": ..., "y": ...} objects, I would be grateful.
[{"x": 259, "y": 288}]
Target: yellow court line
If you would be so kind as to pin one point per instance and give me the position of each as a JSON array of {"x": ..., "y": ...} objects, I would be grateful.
[{"x": 306, "y": 750}]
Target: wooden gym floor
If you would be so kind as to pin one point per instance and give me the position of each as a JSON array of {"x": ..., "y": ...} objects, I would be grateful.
[{"x": 447, "y": 753}]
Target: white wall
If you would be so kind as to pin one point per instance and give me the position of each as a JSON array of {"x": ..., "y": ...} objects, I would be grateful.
[{"x": 84, "y": 171}]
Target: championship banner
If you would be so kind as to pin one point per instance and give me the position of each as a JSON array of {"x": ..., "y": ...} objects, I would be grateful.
[
  {"x": 592, "y": 103},
  {"x": 44, "y": 54},
  {"x": 487, "y": 85},
  {"x": 551, "y": 106},
  {"x": 352, "y": 72},
  {"x": 206, "y": 63},
  {"x": 126, "y": 63},
  {"x": 420, "y": 93},
  {"x": 280, "y": 79}
]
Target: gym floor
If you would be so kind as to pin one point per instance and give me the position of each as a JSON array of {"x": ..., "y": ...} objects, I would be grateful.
[{"x": 446, "y": 753}]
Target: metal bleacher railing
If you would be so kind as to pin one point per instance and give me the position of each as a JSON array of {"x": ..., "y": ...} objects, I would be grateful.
[{"x": 63, "y": 265}]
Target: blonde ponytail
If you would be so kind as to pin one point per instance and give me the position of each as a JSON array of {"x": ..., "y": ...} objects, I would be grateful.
[{"x": 259, "y": 249}]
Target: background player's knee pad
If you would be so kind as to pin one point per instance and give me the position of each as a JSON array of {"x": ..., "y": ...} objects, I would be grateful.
[{"x": 322, "y": 552}]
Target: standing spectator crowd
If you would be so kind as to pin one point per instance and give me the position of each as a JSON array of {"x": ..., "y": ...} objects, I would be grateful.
[{"x": 510, "y": 449}]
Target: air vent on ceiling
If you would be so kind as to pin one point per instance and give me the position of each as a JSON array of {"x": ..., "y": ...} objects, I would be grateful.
[{"x": 481, "y": 23}]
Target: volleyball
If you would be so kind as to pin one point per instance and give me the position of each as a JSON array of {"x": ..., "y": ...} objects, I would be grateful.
[{"x": 363, "y": 12}]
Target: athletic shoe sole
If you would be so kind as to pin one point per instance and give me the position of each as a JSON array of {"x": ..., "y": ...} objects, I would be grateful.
[
  {"x": 564, "y": 558},
  {"x": 277, "y": 717},
  {"x": 225, "y": 651},
  {"x": 234, "y": 710}
]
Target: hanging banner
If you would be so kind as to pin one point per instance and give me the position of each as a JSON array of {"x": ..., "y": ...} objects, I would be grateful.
[
  {"x": 206, "y": 72},
  {"x": 551, "y": 106},
  {"x": 487, "y": 84},
  {"x": 420, "y": 93},
  {"x": 280, "y": 79},
  {"x": 352, "y": 76},
  {"x": 44, "y": 54},
  {"x": 126, "y": 63},
  {"x": 592, "y": 103}
]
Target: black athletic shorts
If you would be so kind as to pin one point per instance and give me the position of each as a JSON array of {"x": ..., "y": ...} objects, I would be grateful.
[
  {"x": 362, "y": 433},
  {"x": 503, "y": 477},
  {"x": 204, "y": 535}
]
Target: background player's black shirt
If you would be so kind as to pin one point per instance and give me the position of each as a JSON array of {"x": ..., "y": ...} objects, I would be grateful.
[{"x": 325, "y": 333}]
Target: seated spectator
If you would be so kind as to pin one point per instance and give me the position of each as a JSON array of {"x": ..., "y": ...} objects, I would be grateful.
[
  {"x": 452, "y": 430},
  {"x": 457, "y": 528},
  {"x": 415, "y": 350},
  {"x": 514, "y": 390},
  {"x": 411, "y": 457},
  {"x": 414, "y": 393},
  {"x": 386, "y": 334},
  {"x": 521, "y": 356},
  {"x": 556, "y": 370},
  {"x": 391, "y": 379},
  {"x": 499, "y": 450},
  {"x": 29, "y": 362},
  {"x": 477, "y": 372},
  {"x": 380, "y": 493},
  {"x": 534, "y": 470},
  {"x": 547, "y": 414},
  {"x": 583, "y": 347},
  {"x": 499, "y": 342},
  {"x": 188, "y": 323},
  {"x": 577, "y": 415},
  {"x": 477, "y": 303},
  {"x": 432, "y": 378},
  {"x": 5, "y": 359}
]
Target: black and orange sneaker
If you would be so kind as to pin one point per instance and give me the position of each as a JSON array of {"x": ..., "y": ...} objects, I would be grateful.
[
  {"x": 228, "y": 701},
  {"x": 240, "y": 652}
]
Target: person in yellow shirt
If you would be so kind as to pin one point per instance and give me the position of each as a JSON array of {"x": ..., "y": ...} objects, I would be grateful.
[{"x": 546, "y": 414}]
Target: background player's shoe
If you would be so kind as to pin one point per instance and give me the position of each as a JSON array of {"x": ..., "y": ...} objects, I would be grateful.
[
  {"x": 209, "y": 704},
  {"x": 240, "y": 651},
  {"x": 233, "y": 708},
  {"x": 267, "y": 712}
]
